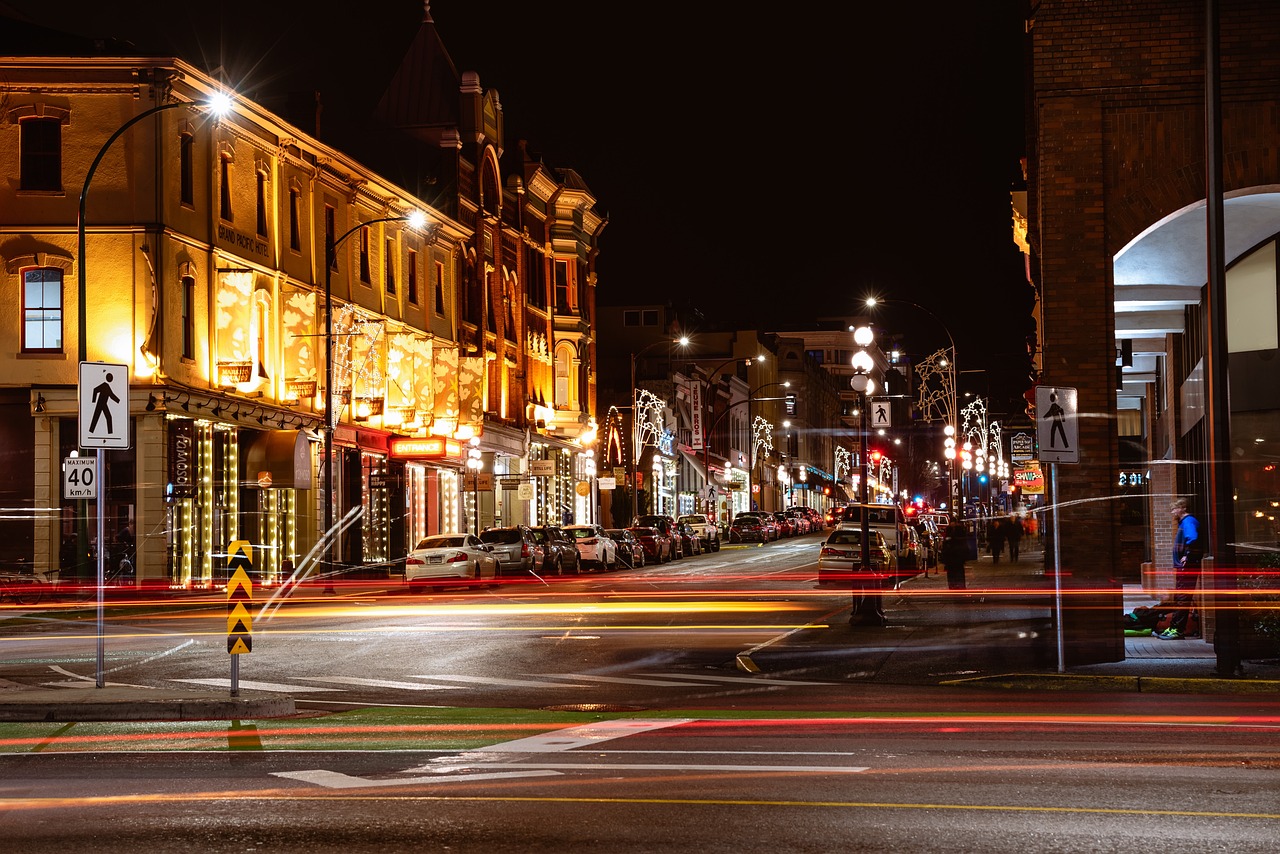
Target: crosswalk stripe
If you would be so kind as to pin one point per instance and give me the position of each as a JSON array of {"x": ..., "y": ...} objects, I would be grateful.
[
  {"x": 258, "y": 686},
  {"x": 383, "y": 683},
  {"x": 486, "y": 680},
  {"x": 337, "y": 780},
  {"x": 586, "y": 735}
]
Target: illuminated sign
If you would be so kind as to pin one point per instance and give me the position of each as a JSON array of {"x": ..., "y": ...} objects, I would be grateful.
[{"x": 431, "y": 448}]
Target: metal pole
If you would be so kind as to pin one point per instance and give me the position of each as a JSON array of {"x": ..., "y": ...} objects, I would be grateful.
[{"x": 1057, "y": 568}]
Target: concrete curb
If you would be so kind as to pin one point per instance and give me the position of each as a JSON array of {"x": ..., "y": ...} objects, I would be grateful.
[
  {"x": 138, "y": 704},
  {"x": 1138, "y": 684}
]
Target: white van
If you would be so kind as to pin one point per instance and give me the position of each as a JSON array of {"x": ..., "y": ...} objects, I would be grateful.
[{"x": 890, "y": 521}]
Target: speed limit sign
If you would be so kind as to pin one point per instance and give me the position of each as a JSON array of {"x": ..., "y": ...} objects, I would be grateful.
[{"x": 78, "y": 479}]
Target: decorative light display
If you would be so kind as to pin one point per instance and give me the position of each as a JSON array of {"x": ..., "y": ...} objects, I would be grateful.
[
  {"x": 844, "y": 462},
  {"x": 648, "y": 418},
  {"x": 761, "y": 438}
]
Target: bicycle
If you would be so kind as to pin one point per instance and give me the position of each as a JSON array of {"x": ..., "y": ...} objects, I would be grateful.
[{"x": 22, "y": 589}]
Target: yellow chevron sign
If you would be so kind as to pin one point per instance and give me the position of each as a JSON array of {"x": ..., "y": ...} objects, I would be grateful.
[{"x": 239, "y": 592}]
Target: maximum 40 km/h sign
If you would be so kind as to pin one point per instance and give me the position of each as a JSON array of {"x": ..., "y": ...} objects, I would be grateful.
[{"x": 79, "y": 477}]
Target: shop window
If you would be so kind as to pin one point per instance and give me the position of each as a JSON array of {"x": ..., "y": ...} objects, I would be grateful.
[
  {"x": 330, "y": 226},
  {"x": 40, "y": 153},
  {"x": 42, "y": 310},
  {"x": 411, "y": 283}
]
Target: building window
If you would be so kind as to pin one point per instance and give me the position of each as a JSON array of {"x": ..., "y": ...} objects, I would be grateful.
[
  {"x": 364, "y": 256},
  {"x": 40, "y": 153},
  {"x": 631, "y": 317},
  {"x": 187, "y": 169},
  {"x": 391, "y": 267},
  {"x": 413, "y": 277},
  {"x": 188, "y": 317},
  {"x": 329, "y": 234},
  {"x": 295, "y": 228},
  {"x": 262, "y": 204},
  {"x": 563, "y": 302},
  {"x": 42, "y": 310},
  {"x": 649, "y": 317},
  {"x": 440, "y": 289},
  {"x": 224, "y": 198}
]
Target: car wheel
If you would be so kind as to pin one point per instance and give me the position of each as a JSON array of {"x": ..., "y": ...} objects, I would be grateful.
[{"x": 715, "y": 545}]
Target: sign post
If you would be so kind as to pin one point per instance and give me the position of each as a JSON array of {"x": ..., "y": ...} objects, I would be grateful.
[
  {"x": 239, "y": 620},
  {"x": 1058, "y": 435},
  {"x": 103, "y": 404}
]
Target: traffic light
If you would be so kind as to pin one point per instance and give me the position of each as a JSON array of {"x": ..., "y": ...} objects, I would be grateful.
[{"x": 875, "y": 457}]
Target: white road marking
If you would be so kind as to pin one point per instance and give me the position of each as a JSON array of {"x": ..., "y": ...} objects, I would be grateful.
[
  {"x": 336, "y": 780},
  {"x": 485, "y": 680},
  {"x": 586, "y": 735},
  {"x": 662, "y": 766},
  {"x": 623, "y": 680},
  {"x": 258, "y": 686},
  {"x": 383, "y": 683},
  {"x": 693, "y": 677}
]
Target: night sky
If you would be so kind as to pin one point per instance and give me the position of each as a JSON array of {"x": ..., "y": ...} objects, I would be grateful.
[{"x": 767, "y": 164}]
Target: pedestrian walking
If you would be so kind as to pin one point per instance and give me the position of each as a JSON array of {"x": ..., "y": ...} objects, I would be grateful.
[
  {"x": 995, "y": 539},
  {"x": 955, "y": 551},
  {"x": 1188, "y": 551},
  {"x": 1013, "y": 533}
]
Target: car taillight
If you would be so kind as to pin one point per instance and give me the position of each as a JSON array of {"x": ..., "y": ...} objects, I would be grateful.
[
  {"x": 456, "y": 557},
  {"x": 524, "y": 550},
  {"x": 414, "y": 560}
]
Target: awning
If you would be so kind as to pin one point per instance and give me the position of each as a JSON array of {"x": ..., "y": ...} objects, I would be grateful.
[{"x": 280, "y": 459}]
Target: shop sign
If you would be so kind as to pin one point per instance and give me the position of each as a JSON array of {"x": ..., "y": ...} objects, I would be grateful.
[
  {"x": 542, "y": 468},
  {"x": 582, "y": 488},
  {"x": 182, "y": 445},
  {"x": 431, "y": 448},
  {"x": 1030, "y": 481},
  {"x": 525, "y": 492},
  {"x": 607, "y": 483},
  {"x": 1022, "y": 447}
]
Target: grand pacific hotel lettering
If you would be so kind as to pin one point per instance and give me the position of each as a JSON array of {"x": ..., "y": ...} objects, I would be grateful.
[{"x": 243, "y": 241}]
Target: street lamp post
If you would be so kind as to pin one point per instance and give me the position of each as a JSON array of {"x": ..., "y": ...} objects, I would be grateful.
[
  {"x": 863, "y": 384},
  {"x": 416, "y": 220},
  {"x": 217, "y": 105},
  {"x": 475, "y": 462},
  {"x": 951, "y": 415},
  {"x": 682, "y": 341}
]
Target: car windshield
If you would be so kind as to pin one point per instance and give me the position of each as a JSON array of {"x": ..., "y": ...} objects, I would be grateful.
[
  {"x": 847, "y": 537},
  {"x": 502, "y": 536},
  {"x": 443, "y": 542},
  {"x": 581, "y": 533},
  {"x": 694, "y": 520}
]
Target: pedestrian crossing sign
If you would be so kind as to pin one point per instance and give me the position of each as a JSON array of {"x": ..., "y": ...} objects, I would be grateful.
[
  {"x": 1057, "y": 427},
  {"x": 103, "y": 395}
]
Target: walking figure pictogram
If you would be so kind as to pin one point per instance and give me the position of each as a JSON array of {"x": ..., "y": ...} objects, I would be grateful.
[
  {"x": 102, "y": 397},
  {"x": 882, "y": 414},
  {"x": 1058, "y": 415}
]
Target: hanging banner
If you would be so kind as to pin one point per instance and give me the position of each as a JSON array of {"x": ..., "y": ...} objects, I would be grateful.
[{"x": 695, "y": 414}]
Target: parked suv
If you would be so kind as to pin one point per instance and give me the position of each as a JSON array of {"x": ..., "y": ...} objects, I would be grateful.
[
  {"x": 706, "y": 530},
  {"x": 517, "y": 551},
  {"x": 595, "y": 547},
  {"x": 560, "y": 551}
]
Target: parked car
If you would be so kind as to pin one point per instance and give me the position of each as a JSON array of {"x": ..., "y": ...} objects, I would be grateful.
[
  {"x": 451, "y": 560},
  {"x": 667, "y": 526},
  {"x": 594, "y": 546},
  {"x": 657, "y": 545},
  {"x": 706, "y": 529},
  {"x": 630, "y": 552},
  {"x": 560, "y": 552},
  {"x": 833, "y": 516},
  {"x": 840, "y": 559},
  {"x": 799, "y": 520},
  {"x": 516, "y": 550},
  {"x": 786, "y": 525},
  {"x": 750, "y": 527},
  {"x": 690, "y": 542}
]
